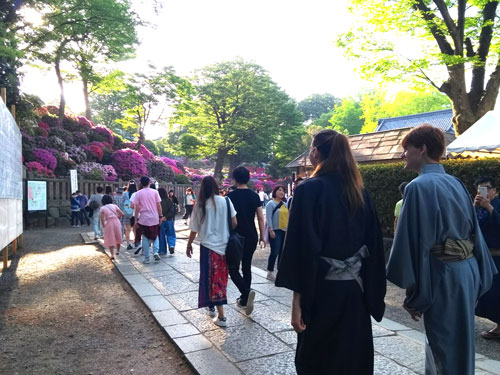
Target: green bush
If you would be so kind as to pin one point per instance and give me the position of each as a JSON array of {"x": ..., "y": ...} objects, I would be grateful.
[
  {"x": 182, "y": 179},
  {"x": 382, "y": 181}
]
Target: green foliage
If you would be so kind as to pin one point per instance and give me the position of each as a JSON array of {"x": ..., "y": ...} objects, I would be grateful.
[
  {"x": 315, "y": 105},
  {"x": 151, "y": 146},
  {"x": 347, "y": 117},
  {"x": 382, "y": 181},
  {"x": 182, "y": 179},
  {"x": 381, "y": 104},
  {"x": 230, "y": 103},
  {"x": 324, "y": 120}
]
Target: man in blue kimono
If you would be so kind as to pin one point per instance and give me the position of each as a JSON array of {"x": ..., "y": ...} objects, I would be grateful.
[{"x": 439, "y": 255}]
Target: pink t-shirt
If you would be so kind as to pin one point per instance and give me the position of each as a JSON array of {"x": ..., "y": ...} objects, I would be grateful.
[{"x": 147, "y": 199}]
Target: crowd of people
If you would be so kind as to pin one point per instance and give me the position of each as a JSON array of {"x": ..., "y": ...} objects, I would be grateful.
[{"x": 326, "y": 245}]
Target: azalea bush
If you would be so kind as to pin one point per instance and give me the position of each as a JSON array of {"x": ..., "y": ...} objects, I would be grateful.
[
  {"x": 105, "y": 134},
  {"x": 64, "y": 135},
  {"x": 80, "y": 138},
  {"x": 159, "y": 170},
  {"x": 41, "y": 132},
  {"x": 43, "y": 125},
  {"x": 109, "y": 173},
  {"x": 45, "y": 158},
  {"x": 77, "y": 154},
  {"x": 94, "y": 152},
  {"x": 39, "y": 170},
  {"x": 128, "y": 163},
  {"x": 56, "y": 142}
]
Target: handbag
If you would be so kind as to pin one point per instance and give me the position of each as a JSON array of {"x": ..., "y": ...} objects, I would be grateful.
[{"x": 235, "y": 244}]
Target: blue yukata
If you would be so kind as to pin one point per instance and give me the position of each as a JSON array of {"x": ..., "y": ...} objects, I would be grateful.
[{"x": 436, "y": 208}]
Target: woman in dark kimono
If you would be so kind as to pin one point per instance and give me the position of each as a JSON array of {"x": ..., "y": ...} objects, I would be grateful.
[{"x": 333, "y": 260}]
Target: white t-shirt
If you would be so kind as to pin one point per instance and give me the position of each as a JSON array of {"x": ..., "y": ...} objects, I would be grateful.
[
  {"x": 262, "y": 196},
  {"x": 213, "y": 232}
]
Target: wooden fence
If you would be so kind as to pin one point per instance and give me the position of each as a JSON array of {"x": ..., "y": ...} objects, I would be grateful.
[{"x": 60, "y": 188}]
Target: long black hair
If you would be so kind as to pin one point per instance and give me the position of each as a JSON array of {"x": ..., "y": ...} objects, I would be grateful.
[
  {"x": 208, "y": 189},
  {"x": 163, "y": 193}
]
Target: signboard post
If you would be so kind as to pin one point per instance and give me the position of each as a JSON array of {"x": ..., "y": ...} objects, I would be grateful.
[
  {"x": 74, "y": 180},
  {"x": 36, "y": 197}
]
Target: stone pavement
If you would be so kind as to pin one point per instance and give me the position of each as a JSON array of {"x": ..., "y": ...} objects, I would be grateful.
[{"x": 263, "y": 343}]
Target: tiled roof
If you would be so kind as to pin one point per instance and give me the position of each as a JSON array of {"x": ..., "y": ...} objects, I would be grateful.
[
  {"x": 440, "y": 119},
  {"x": 377, "y": 147}
]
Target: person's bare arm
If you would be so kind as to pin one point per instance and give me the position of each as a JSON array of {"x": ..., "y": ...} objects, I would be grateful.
[
  {"x": 262, "y": 226},
  {"x": 234, "y": 222},
  {"x": 189, "y": 247},
  {"x": 137, "y": 209}
]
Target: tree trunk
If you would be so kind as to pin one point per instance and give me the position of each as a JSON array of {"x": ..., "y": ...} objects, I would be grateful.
[
  {"x": 234, "y": 161},
  {"x": 57, "y": 63},
  {"x": 62, "y": 101},
  {"x": 219, "y": 163},
  {"x": 88, "y": 113}
]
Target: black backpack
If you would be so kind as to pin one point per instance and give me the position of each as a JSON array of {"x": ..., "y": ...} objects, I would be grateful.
[{"x": 235, "y": 244}]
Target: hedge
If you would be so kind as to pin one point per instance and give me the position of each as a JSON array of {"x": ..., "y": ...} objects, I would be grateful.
[{"x": 382, "y": 181}]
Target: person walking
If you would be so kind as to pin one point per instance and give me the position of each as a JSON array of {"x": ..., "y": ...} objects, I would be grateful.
[
  {"x": 128, "y": 211},
  {"x": 171, "y": 195},
  {"x": 333, "y": 261},
  {"x": 487, "y": 207},
  {"x": 439, "y": 255},
  {"x": 189, "y": 201},
  {"x": 83, "y": 200},
  {"x": 210, "y": 223},
  {"x": 247, "y": 204},
  {"x": 399, "y": 204},
  {"x": 119, "y": 200},
  {"x": 95, "y": 203},
  {"x": 110, "y": 215},
  {"x": 75, "y": 210},
  {"x": 148, "y": 212},
  {"x": 167, "y": 224},
  {"x": 277, "y": 222}
]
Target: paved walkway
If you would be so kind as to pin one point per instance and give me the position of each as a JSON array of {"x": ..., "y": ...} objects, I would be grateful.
[{"x": 263, "y": 343}]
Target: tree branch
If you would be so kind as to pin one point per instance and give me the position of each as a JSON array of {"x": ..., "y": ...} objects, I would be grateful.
[
  {"x": 489, "y": 98},
  {"x": 455, "y": 33},
  {"x": 438, "y": 35}
]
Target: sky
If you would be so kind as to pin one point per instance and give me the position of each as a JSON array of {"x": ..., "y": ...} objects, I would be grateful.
[{"x": 293, "y": 40}]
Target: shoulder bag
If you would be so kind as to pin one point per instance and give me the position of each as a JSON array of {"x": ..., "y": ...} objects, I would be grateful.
[{"x": 235, "y": 244}]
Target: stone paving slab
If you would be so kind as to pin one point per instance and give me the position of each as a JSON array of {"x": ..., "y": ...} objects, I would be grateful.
[{"x": 262, "y": 343}]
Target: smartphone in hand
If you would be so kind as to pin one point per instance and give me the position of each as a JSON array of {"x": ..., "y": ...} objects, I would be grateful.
[{"x": 483, "y": 191}]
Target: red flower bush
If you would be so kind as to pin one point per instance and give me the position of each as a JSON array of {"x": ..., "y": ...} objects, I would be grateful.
[
  {"x": 159, "y": 170},
  {"x": 128, "y": 164},
  {"x": 93, "y": 152}
]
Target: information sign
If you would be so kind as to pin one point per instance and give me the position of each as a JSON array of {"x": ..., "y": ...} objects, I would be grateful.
[{"x": 37, "y": 195}]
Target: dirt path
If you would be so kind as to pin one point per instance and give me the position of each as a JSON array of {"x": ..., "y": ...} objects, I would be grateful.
[{"x": 64, "y": 309}]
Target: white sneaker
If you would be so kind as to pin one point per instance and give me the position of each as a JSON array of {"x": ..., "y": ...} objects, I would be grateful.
[
  {"x": 211, "y": 312},
  {"x": 249, "y": 306},
  {"x": 221, "y": 322},
  {"x": 156, "y": 256},
  {"x": 270, "y": 276}
]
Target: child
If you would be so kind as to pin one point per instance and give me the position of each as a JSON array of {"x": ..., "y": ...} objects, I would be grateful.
[
  {"x": 75, "y": 210},
  {"x": 110, "y": 221}
]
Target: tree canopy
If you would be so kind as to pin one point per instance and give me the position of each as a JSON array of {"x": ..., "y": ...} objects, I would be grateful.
[
  {"x": 234, "y": 107},
  {"x": 458, "y": 48},
  {"x": 317, "y": 104}
]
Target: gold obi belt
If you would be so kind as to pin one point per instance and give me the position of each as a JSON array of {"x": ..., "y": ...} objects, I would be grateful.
[{"x": 453, "y": 250}]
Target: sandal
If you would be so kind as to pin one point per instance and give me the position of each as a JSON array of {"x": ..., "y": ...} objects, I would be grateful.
[{"x": 489, "y": 335}]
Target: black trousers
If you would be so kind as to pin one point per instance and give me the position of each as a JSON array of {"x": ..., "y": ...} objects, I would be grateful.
[
  {"x": 189, "y": 211},
  {"x": 338, "y": 337},
  {"x": 244, "y": 282},
  {"x": 84, "y": 217}
]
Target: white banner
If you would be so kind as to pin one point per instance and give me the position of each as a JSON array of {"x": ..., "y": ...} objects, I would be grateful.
[{"x": 74, "y": 180}]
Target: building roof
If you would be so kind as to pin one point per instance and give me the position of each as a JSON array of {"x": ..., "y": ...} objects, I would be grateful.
[
  {"x": 377, "y": 147},
  {"x": 440, "y": 119}
]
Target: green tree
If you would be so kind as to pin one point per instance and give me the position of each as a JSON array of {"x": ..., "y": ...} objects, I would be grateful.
[
  {"x": 347, "y": 118},
  {"x": 324, "y": 120},
  {"x": 459, "y": 37},
  {"x": 317, "y": 104},
  {"x": 145, "y": 97},
  {"x": 233, "y": 104},
  {"x": 82, "y": 31},
  {"x": 383, "y": 105}
]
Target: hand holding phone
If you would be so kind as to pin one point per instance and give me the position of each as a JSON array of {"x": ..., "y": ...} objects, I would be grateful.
[{"x": 483, "y": 191}]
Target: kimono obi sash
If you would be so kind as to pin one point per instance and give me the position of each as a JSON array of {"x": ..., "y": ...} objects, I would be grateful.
[
  {"x": 348, "y": 269},
  {"x": 453, "y": 250}
]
